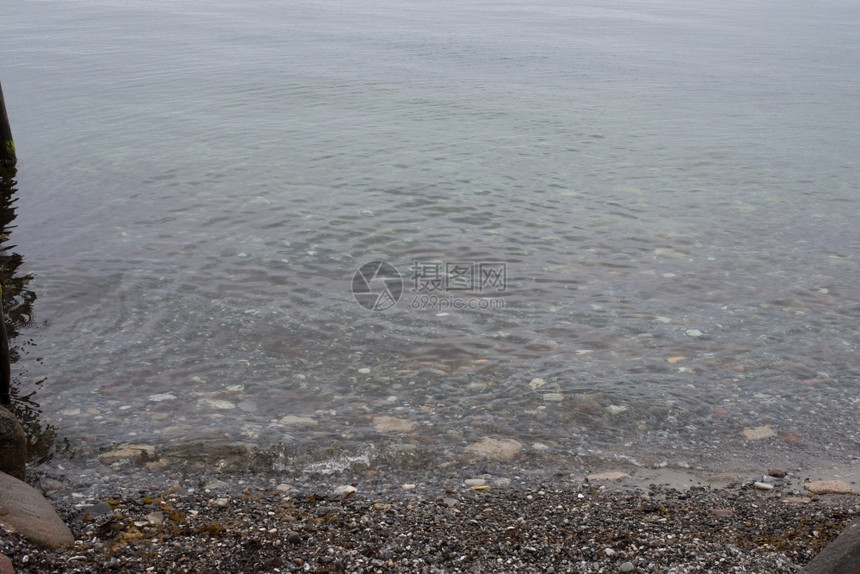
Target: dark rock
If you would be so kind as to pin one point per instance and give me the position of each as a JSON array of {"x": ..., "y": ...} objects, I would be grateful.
[
  {"x": 294, "y": 537},
  {"x": 13, "y": 445},
  {"x": 93, "y": 511},
  {"x": 842, "y": 556},
  {"x": 776, "y": 473}
]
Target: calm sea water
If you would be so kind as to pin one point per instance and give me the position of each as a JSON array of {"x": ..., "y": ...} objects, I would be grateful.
[{"x": 662, "y": 197}]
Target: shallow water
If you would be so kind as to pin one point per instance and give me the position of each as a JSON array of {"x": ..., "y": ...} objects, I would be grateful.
[{"x": 665, "y": 198}]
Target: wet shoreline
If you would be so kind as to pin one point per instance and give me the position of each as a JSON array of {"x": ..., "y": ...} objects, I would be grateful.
[{"x": 197, "y": 520}]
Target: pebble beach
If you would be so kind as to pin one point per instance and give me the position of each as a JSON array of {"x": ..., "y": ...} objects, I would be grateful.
[{"x": 372, "y": 521}]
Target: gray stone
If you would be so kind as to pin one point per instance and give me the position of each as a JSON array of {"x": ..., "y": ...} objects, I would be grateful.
[
  {"x": 13, "y": 445},
  {"x": 25, "y": 511},
  {"x": 842, "y": 556},
  {"x": 93, "y": 511}
]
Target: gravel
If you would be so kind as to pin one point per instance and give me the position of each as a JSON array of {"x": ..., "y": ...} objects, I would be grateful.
[{"x": 232, "y": 526}]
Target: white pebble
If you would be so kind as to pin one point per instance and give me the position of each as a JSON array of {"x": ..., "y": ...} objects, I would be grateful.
[
  {"x": 344, "y": 491},
  {"x": 537, "y": 383},
  {"x": 217, "y": 404}
]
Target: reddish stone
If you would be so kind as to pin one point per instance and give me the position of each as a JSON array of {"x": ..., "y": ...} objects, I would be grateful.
[
  {"x": 792, "y": 438},
  {"x": 6, "y": 566},
  {"x": 722, "y": 512},
  {"x": 776, "y": 472}
]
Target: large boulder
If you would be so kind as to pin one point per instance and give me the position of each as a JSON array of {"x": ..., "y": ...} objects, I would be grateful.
[
  {"x": 25, "y": 511},
  {"x": 842, "y": 556},
  {"x": 13, "y": 445}
]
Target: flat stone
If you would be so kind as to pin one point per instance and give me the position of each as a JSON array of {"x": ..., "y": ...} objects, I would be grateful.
[
  {"x": 611, "y": 475},
  {"x": 137, "y": 453},
  {"x": 616, "y": 409},
  {"x": 792, "y": 438},
  {"x": 218, "y": 404},
  {"x": 155, "y": 518},
  {"x": 88, "y": 513},
  {"x": 829, "y": 487},
  {"x": 536, "y": 383},
  {"x": 722, "y": 480},
  {"x": 13, "y": 445},
  {"x": 669, "y": 252},
  {"x": 25, "y": 511},
  {"x": 504, "y": 449},
  {"x": 392, "y": 424},
  {"x": 344, "y": 491},
  {"x": 216, "y": 484},
  {"x": 763, "y": 486},
  {"x": 842, "y": 556},
  {"x": 758, "y": 433},
  {"x": 296, "y": 420}
]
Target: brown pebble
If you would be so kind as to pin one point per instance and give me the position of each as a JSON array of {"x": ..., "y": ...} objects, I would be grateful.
[
  {"x": 792, "y": 438},
  {"x": 776, "y": 473},
  {"x": 722, "y": 512},
  {"x": 6, "y": 566}
]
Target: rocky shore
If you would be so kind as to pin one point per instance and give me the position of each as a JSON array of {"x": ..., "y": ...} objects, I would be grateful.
[{"x": 370, "y": 522}]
